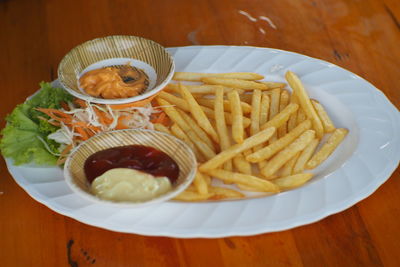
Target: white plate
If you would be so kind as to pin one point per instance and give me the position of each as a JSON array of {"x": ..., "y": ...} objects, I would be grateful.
[{"x": 366, "y": 159}]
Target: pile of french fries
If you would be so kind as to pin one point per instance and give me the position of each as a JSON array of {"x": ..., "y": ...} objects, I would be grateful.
[{"x": 252, "y": 135}]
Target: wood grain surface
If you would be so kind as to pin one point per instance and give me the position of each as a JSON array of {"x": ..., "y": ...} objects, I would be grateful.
[{"x": 362, "y": 36}]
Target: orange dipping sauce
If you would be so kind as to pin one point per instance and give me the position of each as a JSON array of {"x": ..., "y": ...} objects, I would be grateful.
[{"x": 114, "y": 82}]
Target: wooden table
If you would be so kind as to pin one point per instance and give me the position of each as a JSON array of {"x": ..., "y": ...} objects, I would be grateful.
[{"x": 362, "y": 36}]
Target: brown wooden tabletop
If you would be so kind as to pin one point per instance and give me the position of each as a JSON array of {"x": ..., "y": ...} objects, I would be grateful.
[{"x": 361, "y": 36}]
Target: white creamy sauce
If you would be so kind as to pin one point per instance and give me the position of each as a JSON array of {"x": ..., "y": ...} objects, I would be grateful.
[{"x": 123, "y": 184}]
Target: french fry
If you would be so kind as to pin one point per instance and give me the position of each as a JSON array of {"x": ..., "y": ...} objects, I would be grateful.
[
  {"x": 255, "y": 112},
  {"x": 301, "y": 116},
  {"x": 325, "y": 119},
  {"x": 196, "y": 76},
  {"x": 287, "y": 169},
  {"x": 200, "y": 183},
  {"x": 283, "y": 102},
  {"x": 174, "y": 115},
  {"x": 203, "y": 89},
  {"x": 292, "y": 122},
  {"x": 197, "y": 129},
  {"x": 274, "y": 105},
  {"x": 263, "y": 119},
  {"x": 248, "y": 188},
  {"x": 237, "y": 117},
  {"x": 207, "y": 179},
  {"x": 264, "y": 112},
  {"x": 326, "y": 150},
  {"x": 281, "y": 118},
  {"x": 292, "y": 181},
  {"x": 192, "y": 196},
  {"x": 198, "y": 113},
  {"x": 305, "y": 156},
  {"x": 272, "y": 85},
  {"x": 180, "y": 134},
  {"x": 207, "y": 102},
  {"x": 235, "y": 83},
  {"x": 241, "y": 164},
  {"x": 181, "y": 103},
  {"x": 274, "y": 108},
  {"x": 305, "y": 102},
  {"x": 220, "y": 124},
  {"x": 161, "y": 128},
  {"x": 287, "y": 153},
  {"x": 275, "y": 147},
  {"x": 245, "y": 179},
  {"x": 223, "y": 193},
  {"x": 234, "y": 150},
  {"x": 247, "y": 98}
]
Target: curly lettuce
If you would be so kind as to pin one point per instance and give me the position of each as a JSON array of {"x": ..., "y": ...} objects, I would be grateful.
[{"x": 23, "y": 137}]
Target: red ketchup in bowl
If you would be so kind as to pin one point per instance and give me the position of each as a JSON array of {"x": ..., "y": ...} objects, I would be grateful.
[{"x": 138, "y": 157}]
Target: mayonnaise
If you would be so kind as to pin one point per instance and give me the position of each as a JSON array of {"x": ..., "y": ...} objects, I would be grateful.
[{"x": 123, "y": 184}]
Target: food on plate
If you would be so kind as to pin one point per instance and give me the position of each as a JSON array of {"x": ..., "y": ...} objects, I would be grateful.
[
  {"x": 282, "y": 117},
  {"x": 138, "y": 157},
  {"x": 181, "y": 103},
  {"x": 235, "y": 83},
  {"x": 114, "y": 82},
  {"x": 321, "y": 155},
  {"x": 174, "y": 115},
  {"x": 200, "y": 183},
  {"x": 247, "y": 135},
  {"x": 189, "y": 195},
  {"x": 129, "y": 185},
  {"x": 283, "y": 102},
  {"x": 255, "y": 112},
  {"x": 220, "y": 124},
  {"x": 278, "y": 145},
  {"x": 274, "y": 107},
  {"x": 245, "y": 179},
  {"x": 305, "y": 156},
  {"x": 199, "y": 131},
  {"x": 197, "y": 76},
  {"x": 287, "y": 153},
  {"x": 323, "y": 115},
  {"x": 293, "y": 181},
  {"x": 236, "y": 149},
  {"x": 305, "y": 102},
  {"x": 28, "y": 134},
  {"x": 209, "y": 102},
  {"x": 287, "y": 168},
  {"x": 240, "y": 163},
  {"x": 237, "y": 117},
  {"x": 199, "y": 90},
  {"x": 198, "y": 113}
]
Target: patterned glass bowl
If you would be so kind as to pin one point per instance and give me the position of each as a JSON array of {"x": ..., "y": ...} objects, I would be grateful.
[
  {"x": 176, "y": 149},
  {"x": 139, "y": 52}
]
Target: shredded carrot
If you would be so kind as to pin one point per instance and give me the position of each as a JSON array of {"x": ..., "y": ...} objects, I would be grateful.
[
  {"x": 55, "y": 123},
  {"x": 64, "y": 153},
  {"x": 139, "y": 103},
  {"x": 121, "y": 125},
  {"x": 64, "y": 106},
  {"x": 160, "y": 119},
  {"x": 82, "y": 133},
  {"x": 56, "y": 114},
  {"x": 80, "y": 102},
  {"x": 85, "y": 125},
  {"x": 66, "y": 150},
  {"x": 103, "y": 117}
]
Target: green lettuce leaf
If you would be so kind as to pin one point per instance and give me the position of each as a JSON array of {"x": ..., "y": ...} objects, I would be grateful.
[
  {"x": 23, "y": 146},
  {"x": 21, "y": 137}
]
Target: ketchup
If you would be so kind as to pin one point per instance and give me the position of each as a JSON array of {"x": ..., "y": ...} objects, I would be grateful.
[{"x": 138, "y": 157}]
